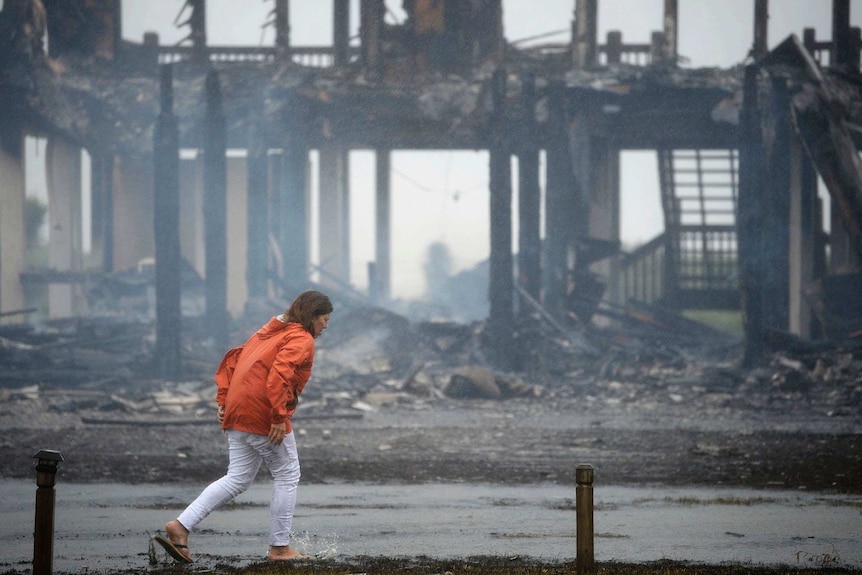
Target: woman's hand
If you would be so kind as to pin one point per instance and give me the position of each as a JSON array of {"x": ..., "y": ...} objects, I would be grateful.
[
  {"x": 277, "y": 432},
  {"x": 220, "y": 414}
]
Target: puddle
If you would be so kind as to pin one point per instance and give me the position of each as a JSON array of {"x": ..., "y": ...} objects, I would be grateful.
[{"x": 108, "y": 525}]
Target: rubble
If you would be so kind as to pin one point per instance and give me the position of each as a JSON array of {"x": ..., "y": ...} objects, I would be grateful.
[{"x": 101, "y": 367}]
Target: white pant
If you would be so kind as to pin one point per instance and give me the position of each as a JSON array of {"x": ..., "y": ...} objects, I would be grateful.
[{"x": 247, "y": 451}]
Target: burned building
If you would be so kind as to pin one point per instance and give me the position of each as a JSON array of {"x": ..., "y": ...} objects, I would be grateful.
[{"x": 740, "y": 151}]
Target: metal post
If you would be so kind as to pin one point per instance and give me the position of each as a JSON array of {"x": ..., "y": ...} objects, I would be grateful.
[
  {"x": 43, "y": 534},
  {"x": 584, "y": 506}
]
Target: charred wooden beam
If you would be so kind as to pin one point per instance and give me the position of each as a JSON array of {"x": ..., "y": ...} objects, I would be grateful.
[
  {"x": 670, "y": 37},
  {"x": 281, "y": 14},
  {"x": 529, "y": 243},
  {"x": 197, "y": 22},
  {"x": 341, "y": 32},
  {"x": 293, "y": 221},
  {"x": 832, "y": 149},
  {"x": 371, "y": 31},
  {"x": 843, "y": 49},
  {"x": 22, "y": 30},
  {"x": 257, "y": 211},
  {"x": 83, "y": 27},
  {"x": 103, "y": 207},
  {"x": 775, "y": 222},
  {"x": 761, "y": 28},
  {"x": 501, "y": 320},
  {"x": 821, "y": 118},
  {"x": 807, "y": 251},
  {"x": 167, "y": 233},
  {"x": 585, "y": 34},
  {"x": 558, "y": 186},
  {"x": 13, "y": 235},
  {"x": 215, "y": 210},
  {"x": 383, "y": 210},
  {"x": 751, "y": 181}
]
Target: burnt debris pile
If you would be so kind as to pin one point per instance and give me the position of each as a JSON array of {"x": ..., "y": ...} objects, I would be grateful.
[{"x": 101, "y": 367}]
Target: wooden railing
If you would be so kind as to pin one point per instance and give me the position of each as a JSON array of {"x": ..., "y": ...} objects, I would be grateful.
[
  {"x": 612, "y": 52},
  {"x": 644, "y": 271},
  {"x": 821, "y": 51},
  {"x": 700, "y": 272},
  {"x": 615, "y": 52},
  {"x": 707, "y": 258},
  {"x": 311, "y": 56}
]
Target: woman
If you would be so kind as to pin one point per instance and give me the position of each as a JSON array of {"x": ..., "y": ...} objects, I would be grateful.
[{"x": 258, "y": 387}]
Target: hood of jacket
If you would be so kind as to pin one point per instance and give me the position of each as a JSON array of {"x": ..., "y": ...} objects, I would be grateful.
[{"x": 276, "y": 325}]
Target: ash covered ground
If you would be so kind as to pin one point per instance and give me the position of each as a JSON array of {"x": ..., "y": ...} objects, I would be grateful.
[{"x": 395, "y": 401}]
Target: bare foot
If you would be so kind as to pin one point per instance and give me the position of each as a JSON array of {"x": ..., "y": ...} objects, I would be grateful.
[
  {"x": 178, "y": 535},
  {"x": 284, "y": 553}
]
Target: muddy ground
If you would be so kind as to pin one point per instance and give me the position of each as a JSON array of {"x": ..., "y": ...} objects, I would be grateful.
[
  {"x": 705, "y": 440},
  {"x": 639, "y": 416}
]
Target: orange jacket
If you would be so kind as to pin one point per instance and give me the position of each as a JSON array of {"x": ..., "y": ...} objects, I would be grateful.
[{"x": 259, "y": 382}]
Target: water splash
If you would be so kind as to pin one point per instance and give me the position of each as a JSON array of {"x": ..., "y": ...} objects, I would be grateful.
[{"x": 319, "y": 546}]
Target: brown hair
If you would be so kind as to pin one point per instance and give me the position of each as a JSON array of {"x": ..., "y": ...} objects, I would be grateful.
[{"x": 306, "y": 307}]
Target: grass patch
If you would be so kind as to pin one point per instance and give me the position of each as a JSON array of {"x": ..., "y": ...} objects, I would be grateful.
[{"x": 727, "y": 321}]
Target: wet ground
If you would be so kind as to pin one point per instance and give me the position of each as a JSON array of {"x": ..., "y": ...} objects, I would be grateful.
[
  {"x": 477, "y": 441},
  {"x": 107, "y": 526},
  {"x": 704, "y": 482}
]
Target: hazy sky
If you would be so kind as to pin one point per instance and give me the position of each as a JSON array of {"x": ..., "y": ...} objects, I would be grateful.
[{"x": 443, "y": 196}]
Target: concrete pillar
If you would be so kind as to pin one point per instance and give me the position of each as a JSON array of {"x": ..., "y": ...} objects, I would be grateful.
[
  {"x": 334, "y": 220},
  {"x": 63, "y": 166},
  {"x": 13, "y": 242}
]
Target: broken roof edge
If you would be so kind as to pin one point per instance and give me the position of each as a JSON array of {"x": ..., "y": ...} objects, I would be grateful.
[{"x": 791, "y": 59}]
